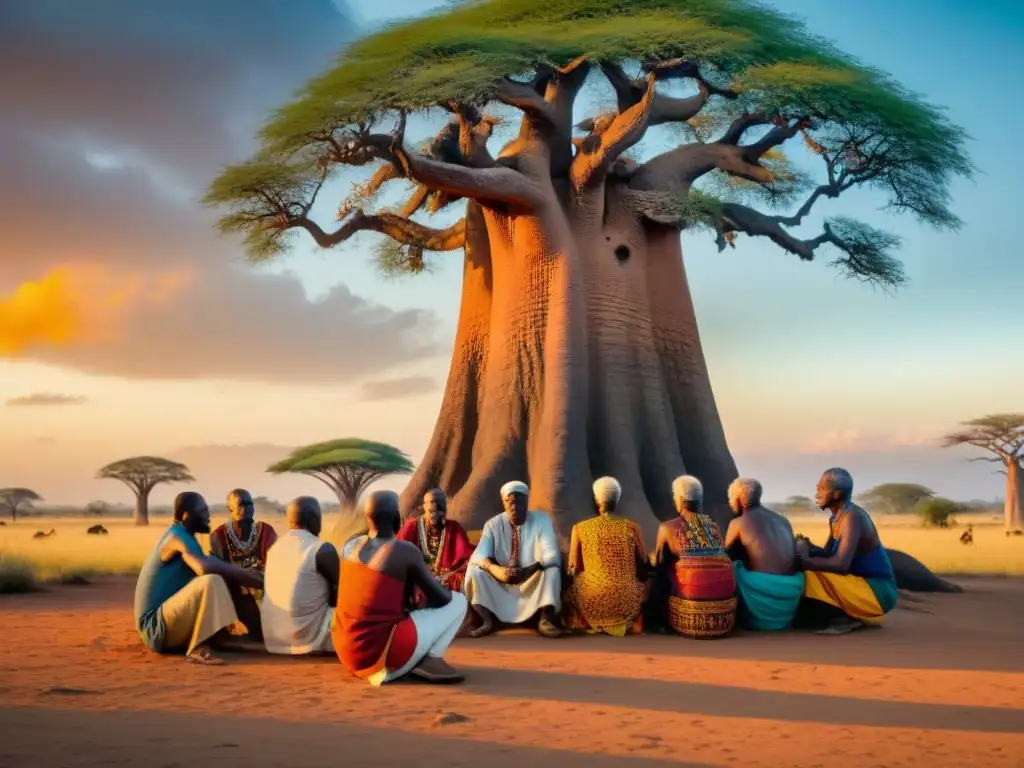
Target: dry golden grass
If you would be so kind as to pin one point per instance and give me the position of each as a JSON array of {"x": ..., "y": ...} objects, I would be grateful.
[
  {"x": 992, "y": 554},
  {"x": 73, "y": 555}
]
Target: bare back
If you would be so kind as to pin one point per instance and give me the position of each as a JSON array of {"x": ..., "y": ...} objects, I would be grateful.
[
  {"x": 767, "y": 540},
  {"x": 402, "y": 561}
]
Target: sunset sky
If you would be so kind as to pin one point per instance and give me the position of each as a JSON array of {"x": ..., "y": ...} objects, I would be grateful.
[{"x": 128, "y": 326}]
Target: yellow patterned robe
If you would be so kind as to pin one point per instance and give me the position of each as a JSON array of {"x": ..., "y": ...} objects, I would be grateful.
[{"x": 606, "y": 596}]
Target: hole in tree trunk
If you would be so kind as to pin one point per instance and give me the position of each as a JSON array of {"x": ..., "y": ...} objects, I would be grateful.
[{"x": 622, "y": 254}]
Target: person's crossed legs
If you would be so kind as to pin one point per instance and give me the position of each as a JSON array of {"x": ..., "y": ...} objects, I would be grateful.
[{"x": 435, "y": 630}]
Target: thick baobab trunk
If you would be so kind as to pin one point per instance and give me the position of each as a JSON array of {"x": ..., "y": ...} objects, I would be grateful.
[
  {"x": 577, "y": 355},
  {"x": 350, "y": 523},
  {"x": 1014, "y": 505},
  {"x": 141, "y": 513}
]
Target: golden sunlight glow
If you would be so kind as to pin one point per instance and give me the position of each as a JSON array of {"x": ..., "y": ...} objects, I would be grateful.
[{"x": 79, "y": 304}]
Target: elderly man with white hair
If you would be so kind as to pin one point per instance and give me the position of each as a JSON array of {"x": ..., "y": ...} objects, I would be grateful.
[
  {"x": 763, "y": 549},
  {"x": 608, "y": 567},
  {"x": 849, "y": 582},
  {"x": 515, "y": 573},
  {"x": 694, "y": 589}
]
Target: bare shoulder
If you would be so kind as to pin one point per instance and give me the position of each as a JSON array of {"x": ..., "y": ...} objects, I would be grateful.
[
  {"x": 668, "y": 527},
  {"x": 327, "y": 549}
]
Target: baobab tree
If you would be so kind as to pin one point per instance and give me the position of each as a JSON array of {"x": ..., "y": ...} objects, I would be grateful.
[
  {"x": 12, "y": 498},
  {"x": 142, "y": 474},
  {"x": 577, "y": 352},
  {"x": 348, "y": 467},
  {"x": 1001, "y": 435}
]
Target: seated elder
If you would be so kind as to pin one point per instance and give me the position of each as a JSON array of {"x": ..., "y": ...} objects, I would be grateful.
[
  {"x": 244, "y": 541},
  {"x": 300, "y": 585},
  {"x": 375, "y": 636},
  {"x": 849, "y": 582},
  {"x": 182, "y": 602},
  {"x": 607, "y": 564},
  {"x": 444, "y": 543},
  {"x": 695, "y": 587},
  {"x": 761, "y": 545},
  {"x": 515, "y": 573}
]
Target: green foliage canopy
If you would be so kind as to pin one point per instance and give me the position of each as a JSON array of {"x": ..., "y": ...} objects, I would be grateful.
[
  {"x": 895, "y": 498},
  {"x": 936, "y": 510},
  {"x": 348, "y": 465},
  {"x": 869, "y": 130},
  {"x": 143, "y": 473}
]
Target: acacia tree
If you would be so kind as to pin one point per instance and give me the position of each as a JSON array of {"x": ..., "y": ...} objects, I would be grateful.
[
  {"x": 895, "y": 497},
  {"x": 577, "y": 352},
  {"x": 348, "y": 467},
  {"x": 12, "y": 498},
  {"x": 142, "y": 474},
  {"x": 1002, "y": 435}
]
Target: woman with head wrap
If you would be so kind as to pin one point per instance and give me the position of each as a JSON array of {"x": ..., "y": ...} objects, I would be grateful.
[
  {"x": 607, "y": 563},
  {"x": 695, "y": 589}
]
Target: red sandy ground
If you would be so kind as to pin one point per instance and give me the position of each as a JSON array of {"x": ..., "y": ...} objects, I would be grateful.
[{"x": 932, "y": 689}]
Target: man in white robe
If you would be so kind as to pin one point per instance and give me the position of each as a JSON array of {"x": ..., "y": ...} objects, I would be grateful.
[
  {"x": 515, "y": 573},
  {"x": 300, "y": 585}
]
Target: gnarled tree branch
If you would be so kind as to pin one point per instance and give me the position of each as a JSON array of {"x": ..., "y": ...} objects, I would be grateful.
[
  {"x": 398, "y": 228},
  {"x": 614, "y": 138},
  {"x": 666, "y": 109}
]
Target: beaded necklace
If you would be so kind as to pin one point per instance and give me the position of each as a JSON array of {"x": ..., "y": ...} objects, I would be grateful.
[
  {"x": 425, "y": 542},
  {"x": 237, "y": 545}
]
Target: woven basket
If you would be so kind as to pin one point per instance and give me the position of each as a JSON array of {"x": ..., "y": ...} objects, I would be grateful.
[{"x": 702, "y": 618}]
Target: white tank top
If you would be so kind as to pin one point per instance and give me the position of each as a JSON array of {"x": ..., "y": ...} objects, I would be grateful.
[{"x": 295, "y": 615}]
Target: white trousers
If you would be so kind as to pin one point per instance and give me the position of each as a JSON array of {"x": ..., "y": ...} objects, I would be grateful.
[{"x": 435, "y": 630}]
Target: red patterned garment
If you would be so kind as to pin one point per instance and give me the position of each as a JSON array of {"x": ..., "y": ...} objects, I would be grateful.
[
  {"x": 447, "y": 557},
  {"x": 703, "y": 571}
]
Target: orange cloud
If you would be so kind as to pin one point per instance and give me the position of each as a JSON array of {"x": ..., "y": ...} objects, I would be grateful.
[{"x": 79, "y": 305}]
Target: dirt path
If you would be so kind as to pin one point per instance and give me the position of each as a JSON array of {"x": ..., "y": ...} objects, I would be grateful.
[{"x": 932, "y": 689}]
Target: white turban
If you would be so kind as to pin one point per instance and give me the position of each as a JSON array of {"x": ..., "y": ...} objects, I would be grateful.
[
  {"x": 607, "y": 490},
  {"x": 516, "y": 486},
  {"x": 688, "y": 488}
]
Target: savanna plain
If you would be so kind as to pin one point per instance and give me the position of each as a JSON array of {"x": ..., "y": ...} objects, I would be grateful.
[{"x": 941, "y": 684}]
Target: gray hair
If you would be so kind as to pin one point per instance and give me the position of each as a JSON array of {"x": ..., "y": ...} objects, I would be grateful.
[
  {"x": 689, "y": 489},
  {"x": 745, "y": 492},
  {"x": 607, "y": 491},
  {"x": 839, "y": 480}
]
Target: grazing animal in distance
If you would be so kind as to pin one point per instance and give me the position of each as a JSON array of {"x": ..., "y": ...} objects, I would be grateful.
[
  {"x": 967, "y": 537},
  {"x": 41, "y": 535},
  {"x": 97, "y": 530}
]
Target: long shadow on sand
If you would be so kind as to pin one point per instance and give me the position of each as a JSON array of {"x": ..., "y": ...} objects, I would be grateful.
[
  {"x": 44, "y": 736},
  {"x": 728, "y": 701}
]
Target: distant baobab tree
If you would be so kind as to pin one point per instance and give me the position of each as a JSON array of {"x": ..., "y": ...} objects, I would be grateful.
[
  {"x": 12, "y": 498},
  {"x": 1002, "y": 435},
  {"x": 142, "y": 474}
]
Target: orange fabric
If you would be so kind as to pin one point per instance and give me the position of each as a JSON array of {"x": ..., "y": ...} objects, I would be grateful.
[
  {"x": 704, "y": 578},
  {"x": 371, "y": 629}
]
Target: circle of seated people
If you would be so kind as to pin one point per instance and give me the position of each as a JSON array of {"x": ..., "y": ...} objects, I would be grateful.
[{"x": 390, "y": 603}]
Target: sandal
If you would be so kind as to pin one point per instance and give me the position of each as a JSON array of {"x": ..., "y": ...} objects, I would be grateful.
[{"x": 202, "y": 655}]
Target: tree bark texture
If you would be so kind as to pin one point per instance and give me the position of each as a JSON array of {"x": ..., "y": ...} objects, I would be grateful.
[
  {"x": 141, "y": 512},
  {"x": 1013, "y": 510},
  {"x": 577, "y": 355}
]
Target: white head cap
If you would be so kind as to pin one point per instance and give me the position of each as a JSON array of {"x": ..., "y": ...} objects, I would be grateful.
[
  {"x": 688, "y": 488},
  {"x": 607, "y": 490},
  {"x": 516, "y": 486}
]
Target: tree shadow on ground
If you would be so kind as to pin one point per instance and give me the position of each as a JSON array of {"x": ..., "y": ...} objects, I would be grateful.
[
  {"x": 50, "y": 736},
  {"x": 736, "y": 702}
]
